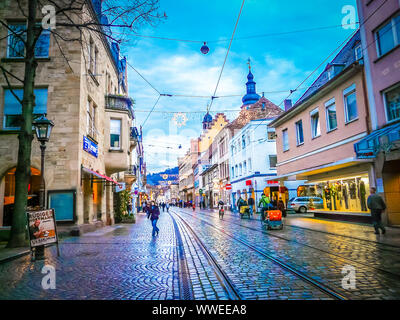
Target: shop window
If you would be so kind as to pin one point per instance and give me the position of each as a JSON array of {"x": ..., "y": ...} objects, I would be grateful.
[
  {"x": 350, "y": 103},
  {"x": 392, "y": 102},
  {"x": 331, "y": 119},
  {"x": 315, "y": 124},
  {"x": 387, "y": 37},
  {"x": 285, "y": 139},
  {"x": 115, "y": 134},
  {"x": 299, "y": 132},
  {"x": 13, "y": 109},
  {"x": 16, "y": 47}
]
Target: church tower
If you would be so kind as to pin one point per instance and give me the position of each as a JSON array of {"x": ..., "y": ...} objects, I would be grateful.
[{"x": 251, "y": 96}]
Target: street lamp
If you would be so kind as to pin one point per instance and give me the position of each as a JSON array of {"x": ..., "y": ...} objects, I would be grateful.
[{"x": 43, "y": 128}]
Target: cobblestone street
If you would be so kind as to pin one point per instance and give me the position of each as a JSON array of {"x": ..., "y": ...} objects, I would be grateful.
[{"x": 198, "y": 256}]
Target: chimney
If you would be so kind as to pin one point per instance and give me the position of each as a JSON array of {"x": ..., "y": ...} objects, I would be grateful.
[{"x": 288, "y": 104}]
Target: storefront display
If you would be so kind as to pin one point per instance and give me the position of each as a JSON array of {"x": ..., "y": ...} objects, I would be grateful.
[{"x": 343, "y": 195}]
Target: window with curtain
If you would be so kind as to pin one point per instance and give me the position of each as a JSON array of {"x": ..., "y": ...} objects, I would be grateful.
[
  {"x": 15, "y": 45},
  {"x": 13, "y": 109},
  {"x": 350, "y": 103},
  {"x": 299, "y": 132},
  {"x": 315, "y": 125},
  {"x": 392, "y": 102},
  {"x": 115, "y": 134},
  {"x": 331, "y": 119}
]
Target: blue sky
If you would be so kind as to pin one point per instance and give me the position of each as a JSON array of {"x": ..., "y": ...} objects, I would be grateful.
[{"x": 279, "y": 62}]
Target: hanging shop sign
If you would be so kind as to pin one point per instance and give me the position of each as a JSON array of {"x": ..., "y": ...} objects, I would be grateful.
[
  {"x": 249, "y": 183},
  {"x": 90, "y": 147},
  {"x": 228, "y": 187},
  {"x": 120, "y": 187},
  {"x": 272, "y": 182},
  {"x": 42, "y": 228}
]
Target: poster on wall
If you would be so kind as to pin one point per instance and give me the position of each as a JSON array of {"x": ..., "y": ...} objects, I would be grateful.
[{"x": 42, "y": 228}]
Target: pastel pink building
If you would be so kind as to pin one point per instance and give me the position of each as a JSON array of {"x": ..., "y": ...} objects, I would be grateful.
[
  {"x": 380, "y": 35},
  {"x": 316, "y": 137}
]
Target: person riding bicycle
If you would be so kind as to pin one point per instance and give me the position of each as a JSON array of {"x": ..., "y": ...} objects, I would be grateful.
[{"x": 264, "y": 204}]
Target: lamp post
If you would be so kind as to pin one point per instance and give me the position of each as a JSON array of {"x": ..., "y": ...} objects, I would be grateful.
[{"x": 43, "y": 128}]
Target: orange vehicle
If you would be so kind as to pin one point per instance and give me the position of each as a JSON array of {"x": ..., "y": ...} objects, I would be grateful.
[{"x": 273, "y": 220}]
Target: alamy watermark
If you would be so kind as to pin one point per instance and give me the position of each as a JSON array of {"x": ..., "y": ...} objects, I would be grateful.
[
  {"x": 49, "y": 280},
  {"x": 349, "y": 20},
  {"x": 49, "y": 18},
  {"x": 349, "y": 279}
]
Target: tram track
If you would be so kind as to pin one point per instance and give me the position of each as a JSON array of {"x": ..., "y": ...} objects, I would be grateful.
[
  {"x": 226, "y": 283},
  {"x": 389, "y": 273},
  {"x": 314, "y": 283}
]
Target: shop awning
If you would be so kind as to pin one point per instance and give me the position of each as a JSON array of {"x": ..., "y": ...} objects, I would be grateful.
[
  {"x": 97, "y": 177},
  {"x": 385, "y": 139}
]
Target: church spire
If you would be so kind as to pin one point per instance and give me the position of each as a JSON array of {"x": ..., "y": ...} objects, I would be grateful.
[{"x": 251, "y": 96}]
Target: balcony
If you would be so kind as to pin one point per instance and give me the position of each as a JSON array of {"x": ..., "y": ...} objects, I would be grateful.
[
  {"x": 119, "y": 103},
  {"x": 130, "y": 176},
  {"x": 134, "y": 137}
]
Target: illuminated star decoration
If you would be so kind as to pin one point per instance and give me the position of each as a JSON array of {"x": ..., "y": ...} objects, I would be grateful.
[
  {"x": 165, "y": 176},
  {"x": 180, "y": 119}
]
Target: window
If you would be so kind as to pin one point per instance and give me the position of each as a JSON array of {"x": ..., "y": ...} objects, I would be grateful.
[
  {"x": 392, "y": 103},
  {"x": 331, "y": 119},
  {"x": 236, "y": 171},
  {"x": 245, "y": 167},
  {"x": 273, "y": 161},
  {"x": 16, "y": 47},
  {"x": 243, "y": 142},
  {"x": 358, "y": 52},
  {"x": 388, "y": 36},
  {"x": 350, "y": 103},
  {"x": 240, "y": 170},
  {"x": 91, "y": 119},
  {"x": 91, "y": 55},
  {"x": 271, "y": 136},
  {"x": 233, "y": 172},
  {"x": 299, "y": 132},
  {"x": 315, "y": 125},
  {"x": 115, "y": 134},
  {"x": 250, "y": 168},
  {"x": 13, "y": 109},
  {"x": 285, "y": 139}
]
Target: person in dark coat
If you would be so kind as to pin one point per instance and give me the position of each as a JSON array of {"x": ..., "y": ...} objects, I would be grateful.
[
  {"x": 153, "y": 215},
  {"x": 146, "y": 208},
  {"x": 377, "y": 206},
  {"x": 163, "y": 206},
  {"x": 281, "y": 207},
  {"x": 251, "y": 203}
]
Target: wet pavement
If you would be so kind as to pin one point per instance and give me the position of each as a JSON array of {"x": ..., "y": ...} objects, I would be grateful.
[{"x": 198, "y": 256}]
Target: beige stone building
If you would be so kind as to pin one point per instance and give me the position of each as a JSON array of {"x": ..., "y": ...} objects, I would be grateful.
[{"x": 92, "y": 140}]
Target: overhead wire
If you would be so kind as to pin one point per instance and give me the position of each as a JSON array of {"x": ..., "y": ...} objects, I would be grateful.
[{"x": 226, "y": 56}]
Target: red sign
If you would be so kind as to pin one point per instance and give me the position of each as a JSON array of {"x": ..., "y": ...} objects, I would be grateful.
[
  {"x": 228, "y": 187},
  {"x": 249, "y": 183},
  {"x": 272, "y": 182}
]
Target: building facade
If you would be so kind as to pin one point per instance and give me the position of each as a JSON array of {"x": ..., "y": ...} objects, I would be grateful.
[
  {"x": 380, "y": 35},
  {"x": 88, "y": 103},
  {"x": 315, "y": 137}
]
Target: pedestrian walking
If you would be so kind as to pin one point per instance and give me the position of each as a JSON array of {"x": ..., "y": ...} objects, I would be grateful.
[
  {"x": 376, "y": 204},
  {"x": 251, "y": 203},
  {"x": 163, "y": 206},
  {"x": 167, "y": 206},
  {"x": 153, "y": 215},
  {"x": 282, "y": 208}
]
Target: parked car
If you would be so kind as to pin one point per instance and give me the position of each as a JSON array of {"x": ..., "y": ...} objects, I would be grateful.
[{"x": 302, "y": 204}]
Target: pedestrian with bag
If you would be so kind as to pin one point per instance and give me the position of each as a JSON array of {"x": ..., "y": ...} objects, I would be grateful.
[
  {"x": 282, "y": 208},
  {"x": 153, "y": 215},
  {"x": 377, "y": 206}
]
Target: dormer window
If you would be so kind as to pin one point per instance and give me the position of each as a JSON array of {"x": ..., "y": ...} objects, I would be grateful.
[
  {"x": 334, "y": 70},
  {"x": 358, "y": 52}
]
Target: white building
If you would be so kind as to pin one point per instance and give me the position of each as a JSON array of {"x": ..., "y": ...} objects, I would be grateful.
[{"x": 252, "y": 159}]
